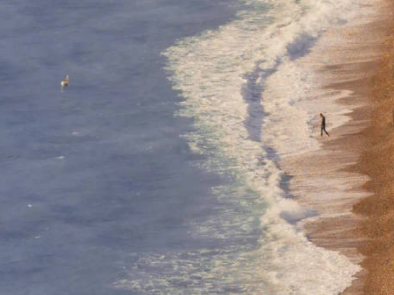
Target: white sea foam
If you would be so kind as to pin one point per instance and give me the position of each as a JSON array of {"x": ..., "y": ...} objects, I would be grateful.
[{"x": 251, "y": 104}]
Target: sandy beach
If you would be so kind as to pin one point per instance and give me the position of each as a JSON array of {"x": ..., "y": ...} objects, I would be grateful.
[
  {"x": 376, "y": 162},
  {"x": 355, "y": 217}
]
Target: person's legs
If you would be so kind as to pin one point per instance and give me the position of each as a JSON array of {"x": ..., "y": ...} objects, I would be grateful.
[
  {"x": 321, "y": 131},
  {"x": 326, "y": 131}
]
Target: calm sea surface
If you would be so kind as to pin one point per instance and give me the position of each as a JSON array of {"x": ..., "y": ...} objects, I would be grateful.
[{"x": 96, "y": 176}]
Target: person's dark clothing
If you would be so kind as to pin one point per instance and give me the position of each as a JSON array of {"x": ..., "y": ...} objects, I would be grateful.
[{"x": 323, "y": 126}]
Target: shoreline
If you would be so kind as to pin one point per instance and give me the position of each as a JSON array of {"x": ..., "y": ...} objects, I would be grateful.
[
  {"x": 334, "y": 169},
  {"x": 331, "y": 76}
]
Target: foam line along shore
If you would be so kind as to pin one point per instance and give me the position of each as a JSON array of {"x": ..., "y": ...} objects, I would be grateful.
[
  {"x": 254, "y": 92},
  {"x": 254, "y": 88}
]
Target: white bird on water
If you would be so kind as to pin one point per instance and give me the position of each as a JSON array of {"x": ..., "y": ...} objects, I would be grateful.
[{"x": 65, "y": 82}]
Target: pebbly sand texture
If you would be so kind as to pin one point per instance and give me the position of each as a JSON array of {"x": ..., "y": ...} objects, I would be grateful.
[
  {"x": 356, "y": 215},
  {"x": 378, "y": 163}
]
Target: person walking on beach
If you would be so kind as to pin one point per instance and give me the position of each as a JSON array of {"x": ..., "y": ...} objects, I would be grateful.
[{"x": 323, "y": 125}]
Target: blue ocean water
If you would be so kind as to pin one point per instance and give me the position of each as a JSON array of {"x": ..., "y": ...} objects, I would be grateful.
[
  {"x": 95, "y": 176},
  {"x": 157, "y": 171}
]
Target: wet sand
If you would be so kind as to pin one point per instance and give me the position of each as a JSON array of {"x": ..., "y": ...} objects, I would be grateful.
[
  {"x": 340, "y": 170},
  {"x": 377, "y": 162}
]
